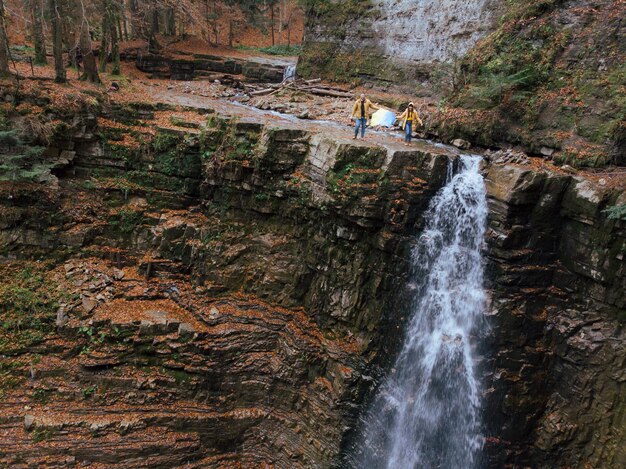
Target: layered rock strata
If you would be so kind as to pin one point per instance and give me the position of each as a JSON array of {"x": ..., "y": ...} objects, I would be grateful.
[
  {"x": 225, "y": 292},
  {"x": 205, "y": 65},
  {"x": 556, "y": 374},
  {"x": 215, "y": 294},
  {"x": 158, "y": 373},
  {"x": 391, "y": 41}
]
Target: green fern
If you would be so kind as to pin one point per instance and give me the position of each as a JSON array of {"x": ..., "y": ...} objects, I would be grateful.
[
  {"x": 617, "y": 212},
  {"x": 493, "y": 87},
  {"x": 21, "y": 162}
]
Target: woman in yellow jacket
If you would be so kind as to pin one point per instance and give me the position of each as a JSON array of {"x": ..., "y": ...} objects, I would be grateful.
[
  {"x": 361, "y": 113},
  {"x": 409, "y": 118}
]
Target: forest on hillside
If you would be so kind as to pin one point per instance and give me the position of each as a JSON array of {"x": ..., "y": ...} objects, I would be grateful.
[{"x": 86, "y": 34}]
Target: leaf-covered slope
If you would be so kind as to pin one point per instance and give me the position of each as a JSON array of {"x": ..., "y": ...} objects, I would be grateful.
[{"x": 554, "y": 75}]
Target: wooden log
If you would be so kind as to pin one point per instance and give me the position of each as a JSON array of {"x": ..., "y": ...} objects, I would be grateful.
[
  {"x": 283, "y": 87},
  {"x": 262, "y": 92},
  {"x": 330, "y": 93}
]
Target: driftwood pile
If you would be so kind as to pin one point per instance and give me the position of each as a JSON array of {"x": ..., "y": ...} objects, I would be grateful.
[{"x": 313, "y": 86}]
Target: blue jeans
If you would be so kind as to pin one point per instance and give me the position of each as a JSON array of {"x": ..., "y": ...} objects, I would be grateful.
[
  {"x": 408, "y": 128},
  {"x": 360, "y": 123}
]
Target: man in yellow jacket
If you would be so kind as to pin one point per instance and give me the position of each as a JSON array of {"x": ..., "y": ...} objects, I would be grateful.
[
  {"x": 361, "y": 114},
  {"x": 409, "y": 119}
]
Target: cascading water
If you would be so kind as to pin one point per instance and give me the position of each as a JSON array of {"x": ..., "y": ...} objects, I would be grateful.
[
  {"x": 426, "y": 412},
  {"x": 289, "y": 74}
]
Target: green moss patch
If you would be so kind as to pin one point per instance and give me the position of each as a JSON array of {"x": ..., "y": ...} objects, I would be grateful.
[
  {"x": 552, "y": 85},
  {"x": 29, "y": 299}
]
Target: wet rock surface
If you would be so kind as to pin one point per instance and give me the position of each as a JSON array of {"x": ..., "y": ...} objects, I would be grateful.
[
  {"x": 204, "y": 65},
  {"x": 383, "y": 41},
  {"x": 223, "y": 291},
  {"x": 230, "y": 290},
  {"x": 556, "y": 376}
]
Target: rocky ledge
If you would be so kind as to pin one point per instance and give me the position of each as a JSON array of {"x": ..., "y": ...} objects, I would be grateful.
[
  {"x": 259, "y": 69},
  {"x": 557, "y": 349},
  {"x": 144, "y": 372},
  {"x": 219, "y": 291},
  {"x": 211, "y": 291}
]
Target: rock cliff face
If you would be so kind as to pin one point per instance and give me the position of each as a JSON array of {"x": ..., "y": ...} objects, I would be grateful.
[
  {"x": 558, "y": 345},
  {"x": 431, "y": 31},
  {"x": 211, "y": 298},
  {"x": 228, "y": 293},
  {"x": 391, "y": 40},
  {"x": 207, "y": 66}
]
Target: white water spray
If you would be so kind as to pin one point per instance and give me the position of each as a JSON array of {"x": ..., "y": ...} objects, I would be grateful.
[
  {"x": 425, "y": 414},
  {"x": 289, "y": 74}
]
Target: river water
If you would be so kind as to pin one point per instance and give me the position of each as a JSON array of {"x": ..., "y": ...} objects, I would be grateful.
[{"x": 426, "y": 412}]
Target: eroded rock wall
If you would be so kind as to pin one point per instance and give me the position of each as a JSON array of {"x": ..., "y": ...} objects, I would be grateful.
[
  {"x": 391, "y": 40},
  {"x": 228, "y": 294},
  {"x": 558, "y": 345},
  {"x": 222, "y": 291},
  {"x": 431, "y": 31}
]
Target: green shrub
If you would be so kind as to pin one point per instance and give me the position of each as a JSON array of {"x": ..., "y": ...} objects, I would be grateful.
[
  {"x": 28, "y": 305},
  {"x": 10, "y": 378},
  {"x": 43, "y": 434},
  {"x": 21, "y": 162},
  {"x": 41, "y": 395},
  {"x": 617, "y": 212},
  {"x": 282, "y": 50},
  {"x": 126, "y": 220},
  {"x": 89, "y": 391},
  {"x": 494, "y": 88}
]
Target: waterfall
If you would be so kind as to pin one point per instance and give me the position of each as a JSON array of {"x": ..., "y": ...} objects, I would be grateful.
[
  {"x": 289, "y": 73},
  {"x": 425, "y": 414}
]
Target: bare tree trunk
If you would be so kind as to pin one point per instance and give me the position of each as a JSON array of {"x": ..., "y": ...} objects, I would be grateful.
[
  {"x": 153, "y": 44},
  {"x": 230, "y": 33},
  {"x": 272, "y": 22},
  {"x": 288, "y": 24},
  {"x": 115, "y": 40},
  {"x": 281, "y": 14},
  {"x": 125, "y": 26},
  {"x": 57, "y": 41},
  {"x": 119, "y": 14},
  {"x": 36, "y": 9},
  {"x": 181, "y": 26},
  {"x": 170, "y": 22},
  {"x": 69, "y": 42},
  {"x": 133, "y": 9},
  {"x": 207, "y": 17},
  {"x": 90, "y": 67},
  {"x": 124, "y": 22},
  {"x": 156, "y": 19},
  {"x": 4, "y": 42},
  {"x": 104, "y": 44},
  {"x": 215, "y": 17},
  {"x": 118, "y": 22}
]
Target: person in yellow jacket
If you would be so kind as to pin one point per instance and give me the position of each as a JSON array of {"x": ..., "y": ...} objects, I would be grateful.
[
  {"x": 409, "y": 119},
  {"x": 361, "y": 114}
]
